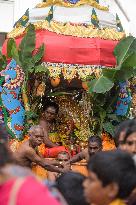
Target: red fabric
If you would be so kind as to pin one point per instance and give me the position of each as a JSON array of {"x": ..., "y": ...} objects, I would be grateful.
[
  {"x": 31, "y": 192},
  {"x": 53, "y": 152},
  {"x": 74, "y": 50}
]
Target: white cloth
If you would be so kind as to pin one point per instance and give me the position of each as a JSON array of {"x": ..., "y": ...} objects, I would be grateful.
[{"x": 79, "y": 15}]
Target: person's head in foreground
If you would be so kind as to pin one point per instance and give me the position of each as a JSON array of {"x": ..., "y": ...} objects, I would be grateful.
[
  {"x": 120, "y": 132},
  {"x": 70, "y": 185},
  {"x": 94, "y": 145},
  {"x": 25, "y": 190},
  {"x": 130, "y": 140},
  {"x": 36, "y": 134},
  {"x": 112, "y": 176}
]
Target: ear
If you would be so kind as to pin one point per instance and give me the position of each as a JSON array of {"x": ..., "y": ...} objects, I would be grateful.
[{"x": 113, "y": 190}]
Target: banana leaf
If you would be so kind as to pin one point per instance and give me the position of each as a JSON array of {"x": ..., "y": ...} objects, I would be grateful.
[
  {"x": 101, "y": 85},
  {"x": 37, "y": 57},
  {"x": 10, "y": 44},
  {"x": 12, "y": 51},
  {"x": 40, "y": 69},
  {"x": 125, "y": 53},
  {"x": 3, "y": 62},
  {"x": 27, "y": 45},
  {"x": 124, "y": 48}
]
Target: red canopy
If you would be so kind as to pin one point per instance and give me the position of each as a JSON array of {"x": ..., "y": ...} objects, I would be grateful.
[{"x": 74, "y": 50}]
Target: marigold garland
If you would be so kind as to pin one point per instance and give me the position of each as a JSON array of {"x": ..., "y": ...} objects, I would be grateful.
[
  {"x": 77, "y": 30},
  {"x": 71, "y": 71}
]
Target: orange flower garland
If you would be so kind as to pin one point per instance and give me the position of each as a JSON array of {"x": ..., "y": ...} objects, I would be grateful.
[{"x": 107, "y": 142}]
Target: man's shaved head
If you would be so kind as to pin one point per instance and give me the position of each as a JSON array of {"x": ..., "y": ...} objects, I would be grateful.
[
  {"x": 36, "y": 134},
  {"x": 36, "y": 128}
]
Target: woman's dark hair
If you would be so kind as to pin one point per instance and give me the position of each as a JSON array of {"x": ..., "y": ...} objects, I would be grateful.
[
  {"x": 115, "y": 166},
  {"x": 123, "y": 126},
  {"x": 130, "y": 130},
  {"x": 49, "y": 103},
  {"x": 70, "y": 185},
  {"x": 5, "y": 155}
]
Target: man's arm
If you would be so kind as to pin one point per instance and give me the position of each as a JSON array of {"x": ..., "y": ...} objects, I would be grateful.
[
  {"x": 77, "y": 157},
  {"x": 47, "y": 141},
  {"x": 47, "y": 164}
]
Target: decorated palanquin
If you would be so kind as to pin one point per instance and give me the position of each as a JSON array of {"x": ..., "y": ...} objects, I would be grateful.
[
  {"x": 74, "y": 42},
  {"x": 79, "y": 38}
]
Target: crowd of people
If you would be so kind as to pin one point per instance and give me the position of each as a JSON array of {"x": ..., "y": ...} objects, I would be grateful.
[{"x": 111, "y": 178}]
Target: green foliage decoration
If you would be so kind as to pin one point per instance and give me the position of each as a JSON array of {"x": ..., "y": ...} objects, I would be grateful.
[
  {"x": 104, "y": 90},
  {"x": 24, "y": 54},
  {"x": 125, "y": 53},
  {"x": 30, "y": 60},
  {"x": 3, "y": 62}
]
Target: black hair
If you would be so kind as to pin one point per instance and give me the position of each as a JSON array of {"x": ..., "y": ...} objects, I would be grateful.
[
  {"x": 70, "y": 185},
  {"x": 115, "y": 166},
  {"x": 123, "y": 126},
  {"x": 5, "y": 156},
  {"x": 96, "y": 139},
  {"x": 130, "y": 131},
  {"x": 49, "y": 103},
  {"x": 4, "y": 136}
]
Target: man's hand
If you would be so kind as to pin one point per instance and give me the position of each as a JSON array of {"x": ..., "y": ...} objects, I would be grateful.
[
  {"x": 66, "y": 168},
  {"x": 65, "y": 164}
]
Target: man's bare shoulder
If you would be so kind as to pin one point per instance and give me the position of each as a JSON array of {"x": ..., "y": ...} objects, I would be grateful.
[{"x": 25, "y": 148}]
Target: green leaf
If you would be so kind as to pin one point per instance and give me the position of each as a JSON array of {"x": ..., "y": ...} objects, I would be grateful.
[
  {"x": 30, "y": 115},
  {"x": 10, "y": 44},
  {"x": 27, "y": 45},
  {"x": 3, "y": 62},
  {"x": 102, "y": 114},
  {"x": 14, "y": 53},
  {"x": 37, "y": 57},
  {"x": 108, "y": 127},
  {"x": 124, "y": 48},
  {"x": 100, "y": 85},
  {"x": 40, "y": 68},
  {"x": 28, "y": 63},
  {"x": 130, "y": 61},
  {"x": 128, "y": 68},
  {"x": 109, "y": 73}
]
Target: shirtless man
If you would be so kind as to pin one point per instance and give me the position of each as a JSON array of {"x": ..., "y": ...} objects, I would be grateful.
[
  {"x": 27, "y": 152},
  {"x": 47, "y": 122},
  {"x": 94, "y": 145}
]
